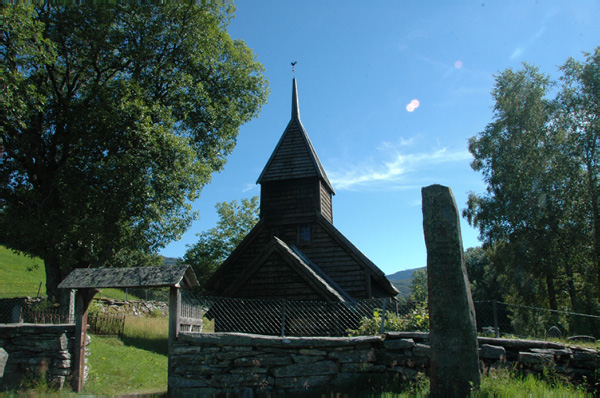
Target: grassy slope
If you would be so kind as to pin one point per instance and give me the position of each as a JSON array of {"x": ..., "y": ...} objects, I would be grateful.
[{"x": 20, "y": 275}]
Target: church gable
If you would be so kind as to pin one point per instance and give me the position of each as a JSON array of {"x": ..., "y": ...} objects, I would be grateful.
[{"x": 283, "y": 271}]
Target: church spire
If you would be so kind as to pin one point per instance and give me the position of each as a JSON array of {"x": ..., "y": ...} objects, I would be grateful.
[{"x": 295, "y": 109}]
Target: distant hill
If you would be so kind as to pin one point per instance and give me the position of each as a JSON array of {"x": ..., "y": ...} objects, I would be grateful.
[
  {"x": 402, "y": 279},
  {"x": 170, "y": 260}
]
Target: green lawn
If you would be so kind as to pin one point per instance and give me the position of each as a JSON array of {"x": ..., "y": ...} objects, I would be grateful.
[
  {"x": 20, "y": 275},
  {"x": 116, "y": 368}
]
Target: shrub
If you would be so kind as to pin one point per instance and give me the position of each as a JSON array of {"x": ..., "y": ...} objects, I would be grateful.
[{"x": 416, "y": 320}]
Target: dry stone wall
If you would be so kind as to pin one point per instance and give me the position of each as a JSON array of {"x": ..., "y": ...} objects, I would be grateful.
[
  {"x": 207, "y": 364},
  {"x": 35, "y": 350}
]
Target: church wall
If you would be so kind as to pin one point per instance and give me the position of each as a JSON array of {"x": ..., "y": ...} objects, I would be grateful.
[
  {"x": 326, "y": 202},
  {"x": 336, "y": 262},
  {"x": 285, "y": 202}
]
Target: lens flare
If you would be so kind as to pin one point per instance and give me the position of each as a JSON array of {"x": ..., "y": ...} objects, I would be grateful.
[
  {"x": 414, "y": 104},
  {"x": 458, "y": 64}
]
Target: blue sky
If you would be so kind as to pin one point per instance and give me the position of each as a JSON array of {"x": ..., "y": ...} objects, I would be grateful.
[{"x": 389, "y": 94}]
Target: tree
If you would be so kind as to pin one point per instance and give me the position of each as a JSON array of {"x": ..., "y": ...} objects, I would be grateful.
[
  {"x": 482, "y": 275},
  {"x": 418, "y": 286},
  {"x": 113, "y": 119},
  {"x": 540, "y": 164},
  {"x": 236, "y": 220},
  {"x": 579, "y": 116}
]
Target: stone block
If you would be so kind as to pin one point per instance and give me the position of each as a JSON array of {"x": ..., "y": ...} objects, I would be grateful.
[
  {"x": 312, "y": 351},
  {"x": 397, "y": 345},
  {"x": 237, "y": 380},
  {"x": 532, "y": 358},
  {"x": 354, "y": 356},
  {"x": 310, "y": 369},
  {"x": 264, "y": 360},
  {"x": 302, "y": 382},
  {"x": 307, "y": 358},
  {"x": 585, "y": 359},
  {"x": 253, "y": 370},
  {"x": 487, "y": 351},
  {"x": 362, "y": 367},
  {"x": 422, "y": 350}
]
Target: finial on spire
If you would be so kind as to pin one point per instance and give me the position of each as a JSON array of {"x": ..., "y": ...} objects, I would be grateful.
[
  {"x": 295, "y": 109},
  {"x": 294, "y": 67}
]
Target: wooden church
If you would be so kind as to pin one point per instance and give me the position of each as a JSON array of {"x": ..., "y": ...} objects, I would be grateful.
[{"x": 294, "y": 252}]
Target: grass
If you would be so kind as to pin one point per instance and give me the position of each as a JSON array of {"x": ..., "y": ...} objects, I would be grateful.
[
  {"x": 509, "y": 383},
  {"x": 116, "y": 368},
  {"x": 135, "y": 364},
  {"x": 20, "y": 275}
]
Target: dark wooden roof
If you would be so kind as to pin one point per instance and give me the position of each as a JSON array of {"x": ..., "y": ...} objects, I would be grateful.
[
  {"x": 166, "y": 276},
  {"x": 294, "y": 156},
  {"x": 309, "y": 271},
  {"x": 377, "y": 274}
]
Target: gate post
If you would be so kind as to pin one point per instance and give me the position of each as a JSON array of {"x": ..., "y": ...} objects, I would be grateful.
[
  {"x": 174, "y": 314},
  {"x": 82, "y": 302}
]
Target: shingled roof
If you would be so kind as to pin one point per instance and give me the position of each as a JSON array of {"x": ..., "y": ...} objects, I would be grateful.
[
  {"x": 165, "y": 276},
  {"x": 294, "y": 156}
]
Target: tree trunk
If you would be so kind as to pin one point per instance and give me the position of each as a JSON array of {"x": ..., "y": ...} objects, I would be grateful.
[
  {"x": 571, "y": 286},
  {"x": 53, "y": 278},
  {"x": 551, "y": 293}
]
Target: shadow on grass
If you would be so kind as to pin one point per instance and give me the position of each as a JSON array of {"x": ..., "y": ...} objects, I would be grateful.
[{"x": 156, "y": 345}]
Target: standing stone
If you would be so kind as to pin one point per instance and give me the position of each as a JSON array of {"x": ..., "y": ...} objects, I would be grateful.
[{"x": 454, "y": 363}]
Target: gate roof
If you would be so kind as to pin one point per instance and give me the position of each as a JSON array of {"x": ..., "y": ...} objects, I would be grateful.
[{"x": 165, "y": 276}]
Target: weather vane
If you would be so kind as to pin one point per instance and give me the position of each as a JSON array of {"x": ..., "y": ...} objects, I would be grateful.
[{"x": 294, "y": 67}]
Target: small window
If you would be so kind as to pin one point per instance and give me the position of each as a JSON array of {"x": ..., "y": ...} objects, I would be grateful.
[{"x": 304, "y": 235}]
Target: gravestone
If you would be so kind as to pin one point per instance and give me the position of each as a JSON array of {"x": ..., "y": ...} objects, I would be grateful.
[
  {"x": 3, "y": 361},
  {"x": 454, "y": 363},
  {"x": 554, "y": 332}
]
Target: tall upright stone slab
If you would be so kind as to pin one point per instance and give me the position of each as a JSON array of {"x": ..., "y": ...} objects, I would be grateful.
[{"x": 454, "y": 364}]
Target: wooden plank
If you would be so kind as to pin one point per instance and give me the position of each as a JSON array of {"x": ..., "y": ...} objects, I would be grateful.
[{"x": 174, "y": 314}]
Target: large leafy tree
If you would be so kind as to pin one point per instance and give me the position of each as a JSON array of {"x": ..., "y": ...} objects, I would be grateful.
[
  {"x": 112, "y": 120},
  {"x": 236, "y": 220},
  {"x": 538, "y": 216},
  {"x": 579, "y": 116}
]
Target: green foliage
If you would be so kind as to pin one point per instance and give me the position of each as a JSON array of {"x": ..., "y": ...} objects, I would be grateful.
[
  {"x": 416, "y": 320},
  {"x": 540, "y": 215},
  {"x": 236, "y": 220},
  {"x": 418, "y": 286},
  {"x": 483, "y": 277},
  {"x": 114, "y": 118}
]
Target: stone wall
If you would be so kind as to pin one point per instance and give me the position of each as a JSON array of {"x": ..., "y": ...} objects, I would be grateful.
[
  {"x": 251, "y": 365},
  {"x": 131, "y": 307},
  {"x": 35, "y": 350}
]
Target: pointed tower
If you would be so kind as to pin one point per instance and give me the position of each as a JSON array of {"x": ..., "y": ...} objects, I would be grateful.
[{"x": 294, "y": 186}]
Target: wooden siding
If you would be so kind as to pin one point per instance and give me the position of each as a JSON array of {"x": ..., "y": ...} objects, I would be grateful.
[
  {"x": 326, "y": 202},
  {"x": 276, "y": 279},
  {"x": 285, "y": 201},
  {"x": 336, "y": 262},
  {"x": 242, "y": 261}
]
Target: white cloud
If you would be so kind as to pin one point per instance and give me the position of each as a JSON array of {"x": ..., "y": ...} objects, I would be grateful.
[
  {"x": 399, "y": 172},
  {"x": 249, "y": 187}
]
